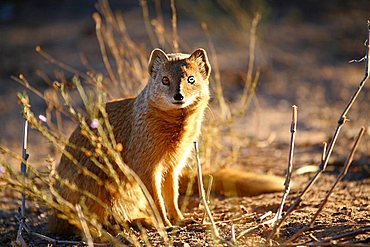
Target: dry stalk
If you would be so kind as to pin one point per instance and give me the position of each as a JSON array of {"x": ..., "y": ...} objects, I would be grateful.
[
  {"x": 293, "y": 130},
  {"x": 225, "y": 111},
  {"x": 62, "y": 242},
  {"x": 208, "y": 194},
  {"x": 342, "y": 120},
  {"x": 84, "y": 226},
  {"x": 21, "y": 79},
  {"x": 148, "y": 28},
  {"x": 264, "y": 216},
  {"x": 174, "y": 27},
  {"x": 22, "y": 226},
  {"x": 64, "y": 66},
  {"x": 202, "y": 193},
  {"x": 324, "y": 244},
  {"x": 265, "y": 223},
  {"x": 24, "y": 82},
  {"x": 24, "y": 185},
  {"x": 252, "y": 48},
  {"x": 158, "y": 10},
  {"x": 103, "y": 51},
  {"x": 106, "y": 142},
  {"x": 242, "y": 217},
  {"x": 344, "y": 235},
  {"x": 339, "y": 178},
  {"x": 20, "y": 240},
  {"x": 233, "y": 238}
]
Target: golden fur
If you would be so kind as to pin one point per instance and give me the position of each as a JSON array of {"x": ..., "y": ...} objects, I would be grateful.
[{"x": 157, "y": 132}]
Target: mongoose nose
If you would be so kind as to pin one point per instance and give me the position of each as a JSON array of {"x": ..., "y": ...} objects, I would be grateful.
[{"x": 178, "y": 97}]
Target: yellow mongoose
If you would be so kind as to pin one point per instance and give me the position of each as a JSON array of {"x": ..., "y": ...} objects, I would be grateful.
[{"x": 157, "y": 130}]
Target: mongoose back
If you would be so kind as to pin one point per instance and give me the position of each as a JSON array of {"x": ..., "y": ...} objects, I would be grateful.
[{"x": 157, "y": 130}]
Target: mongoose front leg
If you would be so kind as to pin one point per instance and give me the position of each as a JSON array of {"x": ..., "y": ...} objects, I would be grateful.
[
  {"x": 170, "y": 191},
  {"x": 157, "y": 194}
]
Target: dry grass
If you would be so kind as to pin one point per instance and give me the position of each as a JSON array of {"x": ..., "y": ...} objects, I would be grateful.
[
  {"x": 82, "y": 97},
  {"x": 125, "y": 75}
]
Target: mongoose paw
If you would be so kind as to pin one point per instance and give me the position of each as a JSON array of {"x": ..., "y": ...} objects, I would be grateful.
[{"x": 176, "y": 217}]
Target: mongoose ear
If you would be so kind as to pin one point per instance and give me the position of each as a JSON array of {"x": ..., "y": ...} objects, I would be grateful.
[
  {"x": 156, "y": 59},
  {"x": 199, "y": 56}
]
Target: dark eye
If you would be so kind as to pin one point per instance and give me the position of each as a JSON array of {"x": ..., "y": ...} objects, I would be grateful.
[
  {"x": 165, "y": 81},
  {"x": 191, "y": 79}
]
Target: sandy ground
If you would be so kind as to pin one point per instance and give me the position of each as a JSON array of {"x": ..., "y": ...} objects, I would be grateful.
[{"x": 302, "y": 53}]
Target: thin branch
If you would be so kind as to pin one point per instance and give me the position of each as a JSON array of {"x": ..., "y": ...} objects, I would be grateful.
[
  {"x": 264, "y": 216},
  {"x": 339, "y": 178},
  {"x": 293, "y": 130},
  {"x": 208, "y": 194},
  {"x": 325, "y": 146},
  {"x": 348, "y": 234},
  {"x": 265, "y": 223},
  {"x": 233, "y": 238},
  {"x": 64, "y": 66},
  {"x": 225, "y": 111},
  {"x": 342, "y": 120},
  {"x": 21, "y": 79},
  {"x": 84, "y": 226},
  {"x": 25, "y": 155},
  {"x": 103, "y": 50},
  {"x": 175, "y": 37},
  {"x": 56, "y": 241},
  {"x": 158, "y": 10},
  {"x": 324, "y": 244},
  {"x": 357, "y": 60},
  {"x": 242, "y": 217},
  {"x": 148, "y": 28},
  {"x": 24, "y": 82},
  {"x": 252, "y": 48},
  {"x": 202, "y": 193}
]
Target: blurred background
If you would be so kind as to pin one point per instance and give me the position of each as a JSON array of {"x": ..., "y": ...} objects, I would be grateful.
[
  {"x": 277, "y": 53},
  {"x": 302, "y": 49}
]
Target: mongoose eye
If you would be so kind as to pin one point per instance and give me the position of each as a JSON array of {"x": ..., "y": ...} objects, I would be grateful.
[
  {"x": 165, "y": 81},
  {"x": 191, "y": 79}
]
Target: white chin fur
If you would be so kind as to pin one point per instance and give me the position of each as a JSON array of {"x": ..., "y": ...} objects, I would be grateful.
[
  {"x": 166, "y": 104},
  {"x": 183, "y": 105}
]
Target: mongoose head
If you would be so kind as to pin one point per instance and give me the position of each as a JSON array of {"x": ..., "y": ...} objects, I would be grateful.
[{"x": 178, "y": 80}]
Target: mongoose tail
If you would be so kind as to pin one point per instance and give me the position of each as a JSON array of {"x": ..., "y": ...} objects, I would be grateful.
[{"x": 236, "y": 183}]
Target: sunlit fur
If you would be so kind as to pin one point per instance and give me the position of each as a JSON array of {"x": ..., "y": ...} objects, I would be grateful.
[{"x": 157, "y": 134}]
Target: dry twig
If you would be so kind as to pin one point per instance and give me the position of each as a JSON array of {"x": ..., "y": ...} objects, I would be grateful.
[
  {"x": 202, "y": 193},
  {"x": 288, "y": 176},
  {"x": 225, "y": 111},
  {"x": 342, "y": 120},
  {"x": 20, "y": 240},
  {"x": 103, "y": 50},
  {"x": 174, "y": 27},
  {"x": 249, "y": 81},
  {"x": 22, "y": 225},
  {"x": 339, "y": 178},
  {"x": 84, "y": 226},
  {"x": 64, "y": 66},
  {"x": 346, "y": 235},
  {"x": 293, "y": 129},
  {"x": 64, "y": 242},
  {"x": 148, "y": 28}
]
